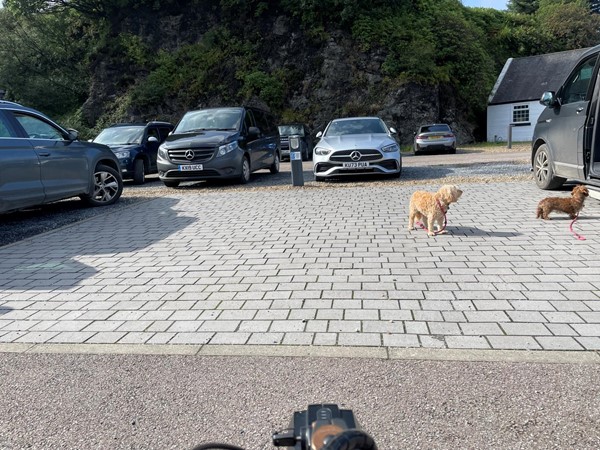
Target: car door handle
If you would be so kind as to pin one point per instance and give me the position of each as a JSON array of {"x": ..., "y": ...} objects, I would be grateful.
[{"x": 44, "y": 154}]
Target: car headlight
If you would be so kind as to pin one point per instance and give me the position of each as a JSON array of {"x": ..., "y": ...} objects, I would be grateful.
[
  {"x": 123, "y": 154},
  {"x": 391, "y": 148},
  {"x": 322, "y": 151},
  {"x": 162, "y": 152},
  {"x": 227, "y": 148}
]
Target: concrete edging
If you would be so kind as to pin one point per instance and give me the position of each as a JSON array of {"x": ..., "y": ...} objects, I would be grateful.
[{"x": 390, "y": 353}]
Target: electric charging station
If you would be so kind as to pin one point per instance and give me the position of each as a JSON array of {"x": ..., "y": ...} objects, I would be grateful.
[{"x": 296, "y": 161}]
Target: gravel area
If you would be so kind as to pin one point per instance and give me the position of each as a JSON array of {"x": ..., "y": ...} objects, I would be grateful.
[{"x": 473, "y": 165}]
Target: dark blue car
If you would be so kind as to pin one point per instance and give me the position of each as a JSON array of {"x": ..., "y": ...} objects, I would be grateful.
[{"x": 136, "y": 145}]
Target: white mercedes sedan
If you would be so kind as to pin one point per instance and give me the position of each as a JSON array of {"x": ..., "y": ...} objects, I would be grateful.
[{"x": 356, "y": 146}]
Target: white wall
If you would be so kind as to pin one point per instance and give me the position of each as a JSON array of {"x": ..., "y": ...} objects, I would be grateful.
[{"x": 500, "y": 116}]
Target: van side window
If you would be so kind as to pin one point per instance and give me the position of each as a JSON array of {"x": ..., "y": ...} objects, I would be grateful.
[
  {"x": 260, "y": 121},
  {"x": 154, "y": 133},
  {"x": 247, "y": 121},
  {"x": 576, "y": 87}
]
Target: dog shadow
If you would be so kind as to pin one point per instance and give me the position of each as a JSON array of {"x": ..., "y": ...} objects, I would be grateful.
[{"x": 474, "y": 231}]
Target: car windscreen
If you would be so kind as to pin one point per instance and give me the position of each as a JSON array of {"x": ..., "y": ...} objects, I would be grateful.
[
  {"x": 120, "y": 135},
  {"x": 291, "y": 130},
  {"x": 355, "y": 126},
  {"x": 434, "y": 128},
  {"x": 210, "y": 119}
]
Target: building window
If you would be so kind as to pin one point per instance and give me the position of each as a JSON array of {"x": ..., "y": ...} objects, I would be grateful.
[{"x": 520, "y": 113}]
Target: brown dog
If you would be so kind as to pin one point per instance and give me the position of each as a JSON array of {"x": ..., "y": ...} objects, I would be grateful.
[
  {"x": 431, "y": 208},
  {"x": 570, "y": 206}
]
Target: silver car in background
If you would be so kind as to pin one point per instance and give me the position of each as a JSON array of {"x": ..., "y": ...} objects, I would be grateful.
[
  {"x": 356, "y": 146},
  {"x": 436, "y": 136}
]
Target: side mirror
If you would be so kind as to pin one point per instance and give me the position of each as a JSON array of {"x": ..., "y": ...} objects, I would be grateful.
[
  {"x": 319, "y": 135},
  {"x": 549, "y": 99},
  {"x": 253, "y": 133},
  {"x": 153, "y": 139},
  {"x": 72, "y": 134},
  {"x": 393, "y": 131}
]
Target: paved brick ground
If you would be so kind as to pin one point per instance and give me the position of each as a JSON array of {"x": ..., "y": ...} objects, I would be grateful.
[{"x": 329, "y": 266}]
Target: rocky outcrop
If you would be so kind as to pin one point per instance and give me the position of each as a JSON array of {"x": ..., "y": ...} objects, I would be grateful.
[{"x": 334, "y": 77}]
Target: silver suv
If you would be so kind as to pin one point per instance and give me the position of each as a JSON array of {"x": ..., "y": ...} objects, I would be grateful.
[{"x": 41, "y": 162}]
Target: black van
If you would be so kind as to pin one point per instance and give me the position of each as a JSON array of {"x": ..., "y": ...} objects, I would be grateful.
[
  {"x": 219, "y": 143},
  {"x": 566, "y": 140}
]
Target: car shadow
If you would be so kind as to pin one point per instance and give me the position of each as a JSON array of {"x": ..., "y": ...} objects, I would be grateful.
[{"x": 46, "y": 263}]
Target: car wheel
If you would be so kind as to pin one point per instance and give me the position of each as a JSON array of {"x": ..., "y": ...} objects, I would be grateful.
[
  {"x": 452, "y": 151},
  {"x": 171, "y": 184},
  {"x": 543, "y": 171},
  {"x": 276, "y": 162},
  {"x": 139, "y": 173},
  {"x": 108, "y": 187},
  {"x": 245, "y": 175}
]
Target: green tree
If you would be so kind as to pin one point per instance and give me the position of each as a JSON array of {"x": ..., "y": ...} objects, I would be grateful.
[
  {"x": 44, "y": 62},
  {"x": 570, "y": 23},
  {"x": 523, "y": 6}
]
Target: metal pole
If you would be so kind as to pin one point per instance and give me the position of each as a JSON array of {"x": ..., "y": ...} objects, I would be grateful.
[{"x": 510, "y": 127}]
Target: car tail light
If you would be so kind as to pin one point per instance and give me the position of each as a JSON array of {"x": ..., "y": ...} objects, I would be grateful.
[{"x": 421, "y": 136}]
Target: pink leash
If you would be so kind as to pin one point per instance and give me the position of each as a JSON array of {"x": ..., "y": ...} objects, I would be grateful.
[
  {"x": 577, "y": 235},
  {"x": 445, "y": 221}
]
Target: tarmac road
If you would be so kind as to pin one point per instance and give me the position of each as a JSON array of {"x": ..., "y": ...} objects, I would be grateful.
[{"x": 175, "y": 402}]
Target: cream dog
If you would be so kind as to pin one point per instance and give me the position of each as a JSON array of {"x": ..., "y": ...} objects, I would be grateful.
[{"x": 431, "y": 208}]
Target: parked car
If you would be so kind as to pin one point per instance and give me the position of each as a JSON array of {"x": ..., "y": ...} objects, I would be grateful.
[
  {"x": 305, "y": 140},
  {"x": 436, "y": 136},
  {"x": 136, "y": 146},
  {"x": 566, "y": 142},
  {"x": 356, "y": 146},
  {"x": 219, "y": 143},
  {"x": 41, "y": 162}
]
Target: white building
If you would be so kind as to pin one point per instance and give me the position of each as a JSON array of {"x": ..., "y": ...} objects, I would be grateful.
[{"x": 515, "y": 99}]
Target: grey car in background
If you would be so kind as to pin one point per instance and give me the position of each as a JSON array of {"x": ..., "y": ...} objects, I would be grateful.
[
  {"x": 356, "y": 146},
  {"x": 435, "y": 137},
  {"x": 41, "y": 162},
  {"x": 219, "y": 143},
  {"x": 566, "y": 141},
  {"x": 304, "y": 139}
]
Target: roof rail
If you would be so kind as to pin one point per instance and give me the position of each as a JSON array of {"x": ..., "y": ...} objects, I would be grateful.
[{"x": 10, "y": 103}]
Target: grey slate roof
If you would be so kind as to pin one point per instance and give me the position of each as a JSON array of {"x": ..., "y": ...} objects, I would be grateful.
[{"x": 526, "y": 79}]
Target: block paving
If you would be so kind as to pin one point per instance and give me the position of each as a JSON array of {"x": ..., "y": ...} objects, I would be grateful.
[{"x": 332, "y": 265}]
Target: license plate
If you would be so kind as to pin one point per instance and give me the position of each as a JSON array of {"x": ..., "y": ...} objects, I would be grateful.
[
  {"x": 355, "y": 165},
  {"x": 190, "y": 167},
  {"x": 435, "y": 137}
]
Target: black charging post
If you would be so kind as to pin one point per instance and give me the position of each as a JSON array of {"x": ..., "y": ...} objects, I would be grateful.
[{"x": 296, "y": 161}]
